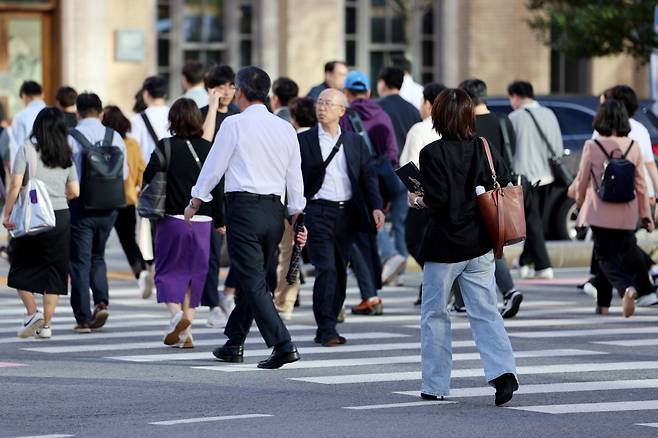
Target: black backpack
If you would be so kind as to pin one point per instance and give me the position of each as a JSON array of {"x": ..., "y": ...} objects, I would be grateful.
[
  {"x": 618, "y": 181},
  {"x": 101, "y": 182}
]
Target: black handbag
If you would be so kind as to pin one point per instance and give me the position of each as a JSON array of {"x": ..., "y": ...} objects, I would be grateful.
[
  {"x": 562, "y": 175},
  {"x": 153, "y": 196}
]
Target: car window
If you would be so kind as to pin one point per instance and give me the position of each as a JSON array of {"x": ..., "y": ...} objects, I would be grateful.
[
  {"x": 573, "y": 121},
  {"x": 496, "y": 108}
]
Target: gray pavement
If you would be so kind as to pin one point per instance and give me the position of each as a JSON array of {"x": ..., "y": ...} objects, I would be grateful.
[{"x": 581, "y": 374}]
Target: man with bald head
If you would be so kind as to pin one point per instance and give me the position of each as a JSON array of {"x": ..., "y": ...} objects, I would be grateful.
[{"x": 342, "y": 193}]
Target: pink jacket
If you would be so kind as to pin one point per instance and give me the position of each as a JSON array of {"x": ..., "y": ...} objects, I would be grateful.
[{"x": 593, "y": 211}]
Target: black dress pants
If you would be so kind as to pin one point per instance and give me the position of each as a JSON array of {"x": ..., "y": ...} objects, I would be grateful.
[
  {"x": 125, "y": 227},
  {"x": 210, "y": 295},
  {"x": 534, "y": 250},
  {"x": 254, "y": 229},
  {"x": 330, "y": 239},
  {"x": 613, "y": 251}
]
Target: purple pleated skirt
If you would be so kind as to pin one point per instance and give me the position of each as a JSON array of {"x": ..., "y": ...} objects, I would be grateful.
[{"x": 181, "y": 259}]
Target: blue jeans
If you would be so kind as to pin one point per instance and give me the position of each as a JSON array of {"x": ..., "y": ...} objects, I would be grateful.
[
  {"x": 394, "y": 242},
  {"x": 476, "y": 280}
]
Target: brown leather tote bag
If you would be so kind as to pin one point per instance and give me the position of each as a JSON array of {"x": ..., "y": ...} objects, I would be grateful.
[{"x": 502, "y": 210}]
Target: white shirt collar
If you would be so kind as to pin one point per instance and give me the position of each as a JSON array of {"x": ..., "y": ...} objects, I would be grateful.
[
  {"x": 255, "y": 107},
  {"x": 322, "y": 132}
]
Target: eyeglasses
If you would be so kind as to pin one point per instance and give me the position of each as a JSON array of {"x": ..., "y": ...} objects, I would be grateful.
[{"x": 326, "y": 103}]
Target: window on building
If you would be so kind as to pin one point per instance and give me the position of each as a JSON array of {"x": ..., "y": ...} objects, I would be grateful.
[
  {"x": 570, "y": 75},
  {"x": 203, "y": 30},
  {"x": 378, "y": 30}
]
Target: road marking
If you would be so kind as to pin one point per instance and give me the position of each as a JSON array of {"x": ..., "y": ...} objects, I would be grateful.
[
  {"x": 197, "y": 343},
  {"x": 45, "y": 436},
  {"x": 11, "y": 365},
  {"x": 588, "y": 332},
  {"x": 400, "y": 405},
  {"x": 582, "y": 408},
  {"x": 478, "y": 372},
  {"x": 209, "y": 419},
  {"x": 353, "y": 362},
  {"x": 303, "y": 350},
  {"x": 629, "y": 342},
  {"x": 126, "y": 334},
  {"x": 648, "y": 424},
  {"x": 550, "y": 388}
]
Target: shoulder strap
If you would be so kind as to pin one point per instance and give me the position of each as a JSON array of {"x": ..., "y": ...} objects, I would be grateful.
[
  {"x": 109, "y": 136},
  {"x": 193, "y": 152},
  {"x": 541, "y": 133},
  {"x": 507, "y": 144},
  {"x": 357, "y": 125},
  {"x": 609, "y": 155},
  {"x": 149, "y": 127},
  {"x": 167, "y": 152},
  {"x": 80, "y": 138},
  {"x": 334, "y": 151},
  {"x": 487, "y": 151},
  {"x": 629, "y": 149}
]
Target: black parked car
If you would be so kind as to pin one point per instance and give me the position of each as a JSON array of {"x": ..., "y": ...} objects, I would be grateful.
[{"x": 575, "y": 116}]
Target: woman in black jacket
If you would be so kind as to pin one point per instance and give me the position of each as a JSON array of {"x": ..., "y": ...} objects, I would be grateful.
[
  {"x": 456, "y": 246},
  {"x": 182, "y": 251}
]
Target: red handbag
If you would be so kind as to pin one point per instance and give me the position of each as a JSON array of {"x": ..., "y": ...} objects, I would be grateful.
[{"x": 502, "y": 210}]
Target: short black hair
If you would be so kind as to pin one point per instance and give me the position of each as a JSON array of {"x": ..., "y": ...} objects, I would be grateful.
[
  {"x": 392, "y": 77},
  {"x": 285, "y": 89},
  {"x": 612, "y": 118},
  {"x": 521, "y": 89},
  {"x": 156, "y": 86},
  {"x": 49, "y": 138},
  {"x": 185, "y": 119},
  {"x": 193, "y": 72},
  {"x": 66, "y": 96},
  {"x": 219, "y": 75},
  {"x": 30, "y": 89},
  {"x": 302, "y": 110},
  {"x": 114, "y": 118},
  {"x": 432, "y": 90},
  {"x": 254, "y": 83},
  {"x": 401, "y": 62},
  {"x": 88, "y": 104},
  {"x": 453, "y": 115},
  {"x": 476, "y": 89},
  {"x": 625, "y": 95},
  {"x": 331, "y": 65}
]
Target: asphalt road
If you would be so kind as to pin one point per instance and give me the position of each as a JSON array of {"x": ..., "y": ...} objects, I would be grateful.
[{"x": 581, "y": 374}]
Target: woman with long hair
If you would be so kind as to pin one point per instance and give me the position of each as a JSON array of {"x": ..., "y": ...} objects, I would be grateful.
[
  {"x": 182, "y": 251},
  {"x": 40, "y": 263},
  {"x": 457, "y": 246}
]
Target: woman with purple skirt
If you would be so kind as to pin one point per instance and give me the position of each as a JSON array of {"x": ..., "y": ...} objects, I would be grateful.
[{"x": 181, "y": 250}]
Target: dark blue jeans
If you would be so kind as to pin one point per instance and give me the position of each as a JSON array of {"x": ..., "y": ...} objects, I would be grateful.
[{"x": 89, "y": 234}]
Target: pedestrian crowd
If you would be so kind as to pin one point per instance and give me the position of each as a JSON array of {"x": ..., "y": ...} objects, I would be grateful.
[{"x": 242, "y": 159}]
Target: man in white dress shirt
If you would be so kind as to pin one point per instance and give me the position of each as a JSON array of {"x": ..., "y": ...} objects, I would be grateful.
[
  {"x": 259, "y": 154},
  {"x": 31, "y": 94},
  {"x": 192, "y": 79}
]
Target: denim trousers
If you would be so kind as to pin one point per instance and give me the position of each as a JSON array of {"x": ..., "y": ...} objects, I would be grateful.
[
  {"x": 476, "y": 280},
  {"x": 394, "y": 242}
]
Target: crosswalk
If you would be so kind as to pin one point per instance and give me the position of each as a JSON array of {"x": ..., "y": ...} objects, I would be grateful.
[{"x": 569, "y": 360}]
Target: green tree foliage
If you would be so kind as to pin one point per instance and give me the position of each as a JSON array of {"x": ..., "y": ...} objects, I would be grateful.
[{"x": 588, "y": 28}]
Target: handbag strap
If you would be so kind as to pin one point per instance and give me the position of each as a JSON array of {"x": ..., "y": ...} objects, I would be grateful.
[
  {"x": 487, "y": 151},
  {"x": 357, "y": 125},
  {"x": 334, "y": 151},
  {"x": 193, "y": 152},
  {"x": 541, "y": 134},
  {"x": 149, "y": 127}
]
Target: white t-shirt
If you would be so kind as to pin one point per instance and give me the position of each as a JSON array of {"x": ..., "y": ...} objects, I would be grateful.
[
  {"x": 159, "y": 118},
  {"x": 642, "y": 140},
  {"x": 419, "y": 136}
]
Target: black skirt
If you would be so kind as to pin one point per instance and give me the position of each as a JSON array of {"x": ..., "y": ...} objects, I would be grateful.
[{"x": 40, "y": 263}]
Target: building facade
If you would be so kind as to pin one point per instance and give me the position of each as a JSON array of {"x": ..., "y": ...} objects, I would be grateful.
[{"x": 110, "y": 46}]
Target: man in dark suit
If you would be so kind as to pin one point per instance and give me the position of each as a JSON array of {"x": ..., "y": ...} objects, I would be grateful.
[{"x": 340, "y": 185}]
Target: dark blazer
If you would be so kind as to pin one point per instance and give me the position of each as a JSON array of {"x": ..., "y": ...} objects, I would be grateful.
[{"x": 362, "y": 174}]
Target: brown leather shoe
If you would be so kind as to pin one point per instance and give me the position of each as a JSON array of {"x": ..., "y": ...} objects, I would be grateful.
[
  {"x": 372, "y": 306},
  {"x": 628, "y": 302},
  {"x": 99, "y": 317},
  {"x": 333, "y": 342}
]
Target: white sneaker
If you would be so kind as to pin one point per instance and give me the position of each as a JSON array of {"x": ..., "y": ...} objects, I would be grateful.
[
  {"x": 145, "y": 282},
  {"x": 30, "y": 324},
  {"x": 392, "y": 267},
  {"x": 647, "y": 300},
  {"x": 227, "y": 303},
  {"x": 216, "y": 318},
  {"x": 589, "y": 289},
  {"x": 44, "y": 332},
  {"x": 544, "y": 274},
  {"x": 526, "y": 272}
]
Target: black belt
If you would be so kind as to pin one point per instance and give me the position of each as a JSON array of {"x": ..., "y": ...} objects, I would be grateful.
[
  {"x": 333, "y": 204},
  {"x": 247, "y": 195}
]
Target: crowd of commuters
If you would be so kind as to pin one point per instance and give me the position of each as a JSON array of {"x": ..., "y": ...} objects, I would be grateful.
[{"x": 241, "y": 164}]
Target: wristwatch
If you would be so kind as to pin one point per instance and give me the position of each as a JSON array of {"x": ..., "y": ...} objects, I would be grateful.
[{"x": 192, "y": 206}]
